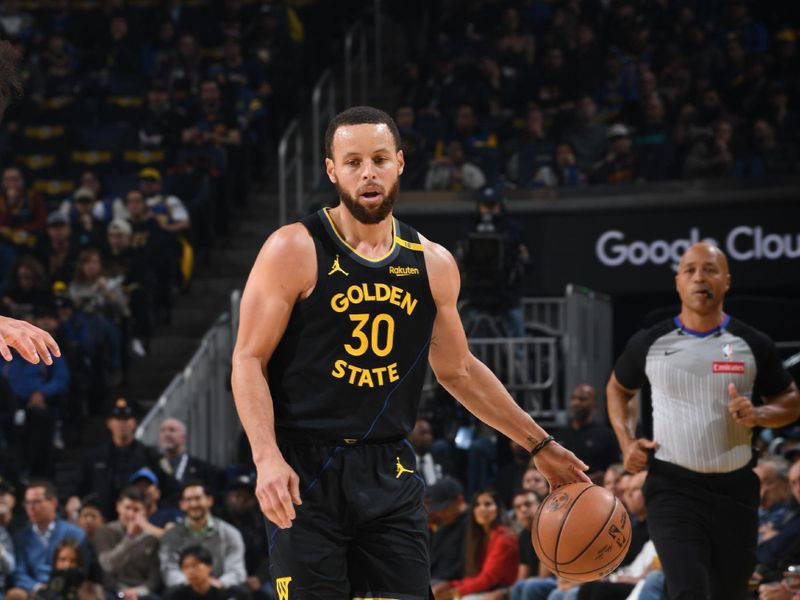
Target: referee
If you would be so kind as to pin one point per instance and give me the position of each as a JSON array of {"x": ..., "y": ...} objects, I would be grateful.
[{"x": 697, "y": 373}]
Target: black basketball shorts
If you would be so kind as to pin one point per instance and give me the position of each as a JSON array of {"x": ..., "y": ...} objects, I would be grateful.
[{"x": 361, "y": 531}]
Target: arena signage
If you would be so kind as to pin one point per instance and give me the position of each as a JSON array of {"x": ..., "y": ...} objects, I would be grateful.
[{"x": 742, "y": 243}]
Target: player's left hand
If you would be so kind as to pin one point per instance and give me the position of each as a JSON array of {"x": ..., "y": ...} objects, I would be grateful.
[
  {"x": 32, "y": 343},
  {"x": 560, "y": 466},
  {"x": 741, "y": 409}
]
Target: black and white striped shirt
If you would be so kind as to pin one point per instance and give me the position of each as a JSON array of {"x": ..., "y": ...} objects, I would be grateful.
[{"x": 684, "y": 377}]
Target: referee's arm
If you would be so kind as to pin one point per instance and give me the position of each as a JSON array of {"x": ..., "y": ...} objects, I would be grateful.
[
  {"x": 777, "y": 411},
  {"x": 634, "y": 451}
]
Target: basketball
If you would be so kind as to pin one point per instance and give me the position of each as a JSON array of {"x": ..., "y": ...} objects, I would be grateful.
[{"x": 581, "y": 532}]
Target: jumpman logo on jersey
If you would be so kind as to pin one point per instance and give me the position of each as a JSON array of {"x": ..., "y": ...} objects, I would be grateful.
[
  {"x": 282, "y": 585},
  {"x": 336, "y": 268},
  {"x": 401, "y": 469}
]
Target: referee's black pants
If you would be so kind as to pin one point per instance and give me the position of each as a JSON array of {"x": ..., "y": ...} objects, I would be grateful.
[{"x": 705, "y": 529}]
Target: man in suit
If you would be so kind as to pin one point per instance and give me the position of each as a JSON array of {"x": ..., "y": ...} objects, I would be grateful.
[
  {"x": 176, "y": 466},
  {"x": 35, "y": 545}
]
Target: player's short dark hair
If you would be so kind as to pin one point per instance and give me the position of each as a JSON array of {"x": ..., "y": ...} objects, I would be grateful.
[
  {"x": 200, "y": 553},
  {"x": 359, "y": 115},
  {"x": 10, "y": 84}
]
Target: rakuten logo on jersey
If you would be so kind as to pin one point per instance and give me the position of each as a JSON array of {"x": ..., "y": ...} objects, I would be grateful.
[{"x": 742, "y": 243}]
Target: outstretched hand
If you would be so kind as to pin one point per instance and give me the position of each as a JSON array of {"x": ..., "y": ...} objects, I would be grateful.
[
  {"x": 278, "y": 491},
  {"x": 32, "y": 343},
  {"x": 560, "y": 466},
  {"x": 741, "y": 408}
]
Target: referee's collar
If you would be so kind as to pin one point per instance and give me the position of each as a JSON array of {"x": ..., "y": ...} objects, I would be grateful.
[{"x": 679, "y": 324}]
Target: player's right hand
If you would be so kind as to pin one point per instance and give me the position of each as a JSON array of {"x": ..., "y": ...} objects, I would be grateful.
[
  {"x": 634, "y": 456},
  {"x": 32, "y": 343},
  {"x": 278, "y": 490},
  {"x": 560, "y": 466}
]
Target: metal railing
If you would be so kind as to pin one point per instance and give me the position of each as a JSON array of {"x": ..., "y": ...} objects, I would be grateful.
[
  {"x": 293, "y": 137},
  {"x": 323, "y": 108},
  {"x": 355, "y": 58},
  {"x": 200, "y": 396},
  {"x": 545, "y": 315}
]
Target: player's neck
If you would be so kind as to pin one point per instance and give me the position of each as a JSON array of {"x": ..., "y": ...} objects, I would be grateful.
[
  {"x": 369, "y": 240},
  {"x": 701, "y": 321}
]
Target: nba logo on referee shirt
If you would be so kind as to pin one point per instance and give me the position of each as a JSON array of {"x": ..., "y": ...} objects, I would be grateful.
[
  {"x": 282, "y": 585},
  {"x": 727, "y": 351}
]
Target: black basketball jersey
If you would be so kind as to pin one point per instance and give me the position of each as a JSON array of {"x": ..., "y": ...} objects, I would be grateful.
[{"x": 352, "y": 361}]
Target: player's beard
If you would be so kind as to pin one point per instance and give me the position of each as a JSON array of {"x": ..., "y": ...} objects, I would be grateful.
[{"x": 371, "y": 215}]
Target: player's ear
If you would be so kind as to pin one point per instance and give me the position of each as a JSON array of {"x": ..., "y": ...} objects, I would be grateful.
[
  {"x": 401, "y": 161},
  {"x": 329, "y": 170}
]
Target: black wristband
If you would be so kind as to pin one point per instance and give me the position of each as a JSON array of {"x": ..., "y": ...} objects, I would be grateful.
[{"x": 538, "y": 447}]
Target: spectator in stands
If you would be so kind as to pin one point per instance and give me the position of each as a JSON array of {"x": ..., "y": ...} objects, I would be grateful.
[
  {"x": 784, "y": 120},
  {"x": 530, "y": 152},
  {"x": 12, "y": 517},
  {"x": 104, "y": 207},
  {"x": 552, "y": 88},
  {"x": 40, "y": 392},
  {"x": 185, "y": 63},
  {"x": 57, "y": 252},
  {"x": 35, "y": 545},
  {"x": 14, "y": 22},
  {"x": 122, "y": 54},
  {"x": 587, "y": 136},
  {"x": 128, "y": 551},
  {"x": 221, "y": 539},
  {"x": 619, "y": 165},
  {"x": 104, "y": 300},
  {"x": 107, "y": 467},
  {"x": 611, "y": 478},
  {"x": 212, "y": 123},
  {"x": 170, "y": 212},
  {"x": 534, "y": 481},
  {"x": 7, "y": 560},
  {"x": 712, "y": 157},
  {"x": 155, "y": 246},
  {"x": 491, "y": 552},
  {"x": 453, "y": 171},
  {"x": 22, "y": 212},
  {"x": 160, "y": 125},
  {"x": 138, "y": 282},
  {"x": 160, "y": 519},
  {"x": 68, "y": 575},
  {"x": 773, "y": 475},
  {"x": 652, "y": 142},
  {"x": 27, "y": 287},
  {"x": 197, "y": 565},
  {"x": 87, "y": 229},
  {"x": 783, "y": 548},
  {"x": 421, "y": 439},
  {"x": 415, "y": 148},
  {"x": 90, "y": 517},
  {"x": 176, "y": 466},
  {"x": 587, "y": 437},
  {"x": 241, "y": 509},
  {"x": 448, "y": 517},
  {"x": 55, "y": 75},
  {"x": 634, "y": 502},
  {"x": 525, "y": 504},
  {"x": 563, "y": 171},
  {"x": 768, "y": 156}
]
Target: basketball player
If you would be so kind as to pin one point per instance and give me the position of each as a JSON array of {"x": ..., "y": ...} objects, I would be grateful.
[
  {"x": 697, "y": 373},
  {"x": 32, "y": 343},
  {"x": 340, "y": 313}
]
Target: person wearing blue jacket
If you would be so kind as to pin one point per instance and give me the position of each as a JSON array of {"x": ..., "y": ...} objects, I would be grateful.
[
  {"x": 35, "y": 544},
  {"x": 38, "y": 391}
]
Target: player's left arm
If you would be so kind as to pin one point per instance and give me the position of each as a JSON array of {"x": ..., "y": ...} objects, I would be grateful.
[{"x": 474, "y": 385}]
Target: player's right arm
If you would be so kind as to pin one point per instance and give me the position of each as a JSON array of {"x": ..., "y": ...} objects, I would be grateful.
[
  {"x": 32, "y": 343},
  {"x": 284, "y": 273}
]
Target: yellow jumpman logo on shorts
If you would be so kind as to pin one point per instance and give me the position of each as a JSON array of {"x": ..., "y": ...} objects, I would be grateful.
[
  {"x": 336, "y": 268},
  {"x": 401, "y": 469}
]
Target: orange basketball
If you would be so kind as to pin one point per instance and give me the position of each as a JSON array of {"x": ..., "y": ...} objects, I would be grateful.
[{"x": 581, "y": 532}]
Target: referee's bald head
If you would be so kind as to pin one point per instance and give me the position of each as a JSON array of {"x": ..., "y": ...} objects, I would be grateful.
[{"x": 703, "y": 251}]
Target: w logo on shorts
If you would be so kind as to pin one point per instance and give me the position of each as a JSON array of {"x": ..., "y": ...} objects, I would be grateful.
[{"x": 282, "y": 585}]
